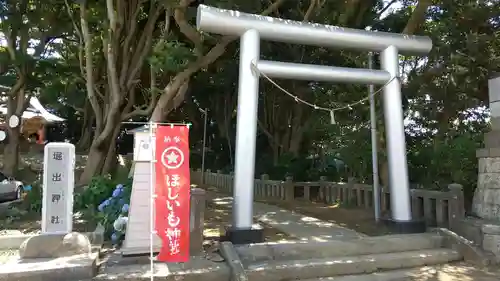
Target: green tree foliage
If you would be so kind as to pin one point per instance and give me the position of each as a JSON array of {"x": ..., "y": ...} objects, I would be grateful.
[{"x": 184, "y": 72}]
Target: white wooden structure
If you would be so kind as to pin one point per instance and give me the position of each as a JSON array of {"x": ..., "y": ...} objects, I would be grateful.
[
  {"x": 137, "y": 236},
  {"x": 58, "y": 187},
  {"x": 35, "y": 109}
]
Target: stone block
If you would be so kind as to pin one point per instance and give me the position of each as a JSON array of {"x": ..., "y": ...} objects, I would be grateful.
[
  {"x": 331, "y": 267},
  {"x": 481, "y": 165},
  {"x": 79, "y": 267},
  {"x": 233, "y": 261},
  {"x": 491, "y": 243},
  {"x": 488, "y": 152},
  {"x": 493, "y": 229},
  {"x": 471, "y": 253},
  {"x": 495, "y": 123},
  {"x": 486, "y": 201},
  {"x": 489, "y": 165},
  {"x": 74, "y": 244},
  {"x": 96, "y": 237},
  {"x": 196, "y": 269},
  {"x": 299, "y": 250},
  {"x": 489, "y": 180},
  {"x": 494, "y": 96},
  {"x": 484, "y": 233},
  {"x": 492, "y": 139},
  {"x": 494, "y": 151},
  {"x": 8, "y": 242},
  {"x": 197, "y": 220},
  {"x": 495, "y": 109},
  {"x": 482, "y": 153},
  {"x": 484, "y": 206},
  {"x": 470, "y": 228},
  {"x": 55, "y": 245}
]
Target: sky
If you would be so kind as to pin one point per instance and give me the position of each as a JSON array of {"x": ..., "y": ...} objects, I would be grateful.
[{"x": 394, "y": 7}]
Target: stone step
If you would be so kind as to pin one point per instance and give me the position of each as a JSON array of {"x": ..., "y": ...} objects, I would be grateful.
[
  {"x": 394, "y": 275},
  {"x": 293, "y": 250},
  {"x": 450, "y": 272},
  {"x": 349, "y": 265}
]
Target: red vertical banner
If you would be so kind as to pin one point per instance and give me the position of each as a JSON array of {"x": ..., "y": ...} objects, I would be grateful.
[{"x": 172, "y": 191}]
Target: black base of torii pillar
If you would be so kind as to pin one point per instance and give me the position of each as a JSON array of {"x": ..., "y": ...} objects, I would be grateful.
[
  {"x": 405, "y": 227},
  {"x": 245, "y": 236}
]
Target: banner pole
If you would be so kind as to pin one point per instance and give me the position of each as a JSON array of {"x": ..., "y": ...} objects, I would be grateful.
[{"x": 152, "y": 195}]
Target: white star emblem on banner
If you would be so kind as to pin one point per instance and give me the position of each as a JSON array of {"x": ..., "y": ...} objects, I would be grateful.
[{"x": 172, "y": 157}]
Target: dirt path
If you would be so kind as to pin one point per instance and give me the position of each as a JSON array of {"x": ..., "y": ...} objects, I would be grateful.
[
  {"x": 218, "y": 217},
  {"x": 360, "y": 220}
]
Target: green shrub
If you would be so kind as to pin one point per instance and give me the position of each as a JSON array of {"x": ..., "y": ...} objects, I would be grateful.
[
  {"x": 113, "y": 212},
  {"x": 106, "y": 201},
  {"x": 33, "y": 200}
]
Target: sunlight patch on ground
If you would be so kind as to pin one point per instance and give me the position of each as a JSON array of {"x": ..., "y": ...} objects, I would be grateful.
[
  {"x": 212, "y": 232},
  {"x": 8, "y": 256},
  {"x": 331, "y": 206}
]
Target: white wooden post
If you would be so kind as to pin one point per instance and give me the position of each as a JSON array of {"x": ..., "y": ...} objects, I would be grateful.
[{"x": 58, "y": 186}]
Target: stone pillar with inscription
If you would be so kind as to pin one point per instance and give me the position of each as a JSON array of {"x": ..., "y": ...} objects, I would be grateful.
[
  {"x": 58, "y": 186},
  {"x": 484, "y": 227},
  {"x": 486, "y": 202}
]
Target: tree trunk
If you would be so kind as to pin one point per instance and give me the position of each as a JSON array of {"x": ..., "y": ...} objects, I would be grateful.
[
  {"x": 16, "y": 103},
  {"x": 84, "y": 142},
  {"x": 95, "y": 161},
  {"x": 172, "y": 98},
  {"x": 111, "y": 160},
  {"x": 276, "y": 154},
  {"x": 86, "y": 132},
  {"x": 100, "y": 147},
  {"x": 296, "y": 140},
  {"x": 11, "y": 152}
]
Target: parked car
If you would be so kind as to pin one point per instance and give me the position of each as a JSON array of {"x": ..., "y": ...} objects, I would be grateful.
[{"x": 10, "y": 189}]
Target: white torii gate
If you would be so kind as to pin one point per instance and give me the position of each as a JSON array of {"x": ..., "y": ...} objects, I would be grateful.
[{"x": 252, "y": 28}]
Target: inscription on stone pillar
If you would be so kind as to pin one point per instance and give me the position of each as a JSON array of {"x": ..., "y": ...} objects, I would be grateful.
[{"x": 58, "y": 185}]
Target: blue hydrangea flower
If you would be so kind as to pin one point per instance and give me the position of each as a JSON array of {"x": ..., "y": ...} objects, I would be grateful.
[
  {"x": 106, "y": 202},
  {"x": 125, "y": 208},
  {"x": 119, "y": 186},
  {"x": 100, "y": 208},
  {"x": 117, "y": 192},
  {"x": 120, "y": 224},
  {"x": 114, "y": 237}
]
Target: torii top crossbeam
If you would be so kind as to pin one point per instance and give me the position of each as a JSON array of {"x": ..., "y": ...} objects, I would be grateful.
[{"x": 228, "y": 22}]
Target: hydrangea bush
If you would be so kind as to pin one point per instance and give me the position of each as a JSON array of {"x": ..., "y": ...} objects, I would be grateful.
[{"x": 113, "y": 212}]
